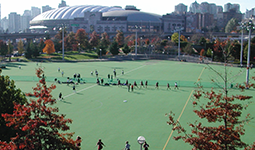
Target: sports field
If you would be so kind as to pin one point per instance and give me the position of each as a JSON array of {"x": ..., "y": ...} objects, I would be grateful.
[{"x": 116, "y": 115}]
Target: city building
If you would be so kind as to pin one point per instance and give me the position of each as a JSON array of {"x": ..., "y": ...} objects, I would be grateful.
[
  {"x": 180, "y": 9},
  {"x": 4, "y": 24},
  {"x": 229, "y": 6},
  {"x": 249, "y": 13},
  {"x": 24, "y": 20},
  {"x": 219, "y": 9},
  {"x": 213, "y": 10},
  {"x": 35, "y": 11},
  {"x": 194, "y": 8},
  {"x": 62, "y": 4},
  {"x": 204, "y": 7},
  {"x": 14, "y": 22},
  {"x": 173, "y": 22},
  {"x": 46, "y": 8},
  {"x": 224, "y": 17},
  {"x": 0, "y": 13},
  {"x": 1, "y": 28}
]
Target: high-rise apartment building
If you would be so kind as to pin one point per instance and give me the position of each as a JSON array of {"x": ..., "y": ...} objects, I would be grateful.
[
  {"x": 4, "y": 24},
  {"x": 25, "y": 19},
  {"x": 35, "y": 11},
  {"x": 194, "y": 7},
  {"x": 62, "y": 4},
  {"x": 46, "y": 8},
  {"x": 204, "y": 7},
  {"x": 0, "y": 13},
  {"x": 213, "y": 9},
  {"x": 219, "y": 9},
  {"x": 14, "y": 22},
  {"x": 229, "y": 6},
  {"x": 249, "y": 13},
  {"x": 0, "y": 17},
  {"x": 180, "y": 9}
]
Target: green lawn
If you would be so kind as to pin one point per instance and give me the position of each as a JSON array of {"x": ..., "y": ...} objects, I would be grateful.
[{"x": 99, "y": 111}]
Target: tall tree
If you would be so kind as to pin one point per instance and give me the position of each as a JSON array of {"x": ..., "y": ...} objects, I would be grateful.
[
  {"x": 20, "y": 47},
  {"x": 175, "y": 37},
  {"x": 103, "y": 44},
  {"x": 43, "y": 127},
  {"x": 231, "y": 25},
  {"x": 94, "y": 39},
  {"x": 104, "y": 41},
  {"x": 3, "y": 48},
  {"x": 71, "y": 41},
  {"x": 10, "y": 47},
  {"x": 29, "y": 50},
  {"x": 119, "y": 38},
  {"x": 114, "y": 48},
  {"x": 49, "y": 47},
  {"x": 82, "y": 37},
  {"x": 36, "y": 52},
  {"x": 41, "y": 45},
  {"x": 126, "y": 49},
  {"x": 8, "y": 94}
]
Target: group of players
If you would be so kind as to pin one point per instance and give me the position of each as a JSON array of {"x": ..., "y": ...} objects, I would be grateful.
[{"x": 129, "y": 85}]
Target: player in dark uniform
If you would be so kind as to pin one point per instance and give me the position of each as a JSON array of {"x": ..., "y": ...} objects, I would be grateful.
[
  {"x": 141, "y": 84},
  {"x": 168, "y": 86},
  {"x": 135, "y": 84},
  {"x": 100, "y": 144},
  {"x": 156, "y": 85}
]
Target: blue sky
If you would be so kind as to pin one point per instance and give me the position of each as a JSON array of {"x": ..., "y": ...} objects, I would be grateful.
[{"x": 160, "y": 7}]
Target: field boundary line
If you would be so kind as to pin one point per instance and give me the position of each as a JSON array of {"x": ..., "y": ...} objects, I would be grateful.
[{"x": 184, "y": 107}]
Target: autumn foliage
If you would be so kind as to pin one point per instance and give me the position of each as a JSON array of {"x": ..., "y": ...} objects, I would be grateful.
[
  {"x": 49, "y": 47},
  {"x": 41, "y": 126}
]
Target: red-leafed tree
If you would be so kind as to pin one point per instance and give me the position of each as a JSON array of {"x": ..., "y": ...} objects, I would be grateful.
[
  {"x": 219, "y": 108},
  {"x": 119, "y": 38},
  {"x": 41, "y": 125},
  {"x": 82, "y": 38},
  {"x": 94, "y": 39}
]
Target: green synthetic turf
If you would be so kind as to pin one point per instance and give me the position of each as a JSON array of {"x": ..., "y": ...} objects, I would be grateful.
[{"x": 99, "y": 111}]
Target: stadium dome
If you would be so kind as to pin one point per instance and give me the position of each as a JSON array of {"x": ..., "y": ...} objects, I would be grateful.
[
  {"x": 97, "y": 18},
  {"x": 73, "y": 12}
]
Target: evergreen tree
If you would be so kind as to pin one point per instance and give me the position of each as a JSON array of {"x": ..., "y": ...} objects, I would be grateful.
[
  {"x": 3, "y": 48},
  {"x": 114, "y": 48},
  {"x": 29, "y": 51},
  {"x": 126, "y": 49}
]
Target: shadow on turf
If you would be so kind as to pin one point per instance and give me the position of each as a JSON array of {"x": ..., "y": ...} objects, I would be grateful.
[
  {"x": 15, "y": 64},
  {"x": 65, "y": 102}
]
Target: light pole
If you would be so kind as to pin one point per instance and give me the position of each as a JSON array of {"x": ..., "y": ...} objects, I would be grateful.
[
  {"x": 100, "y": 53},
  {"x": 79, "y": 47},
  {"x": 178, "y": 29},
  {"x": 241, "y": 53},
  {"x": 250, "y": 26},
  {"x": 136, "y": 28},
  {"x": 212, "y": 55},
  {"x": 141, "y": 140},
  {"x": 63, "y": 42}
]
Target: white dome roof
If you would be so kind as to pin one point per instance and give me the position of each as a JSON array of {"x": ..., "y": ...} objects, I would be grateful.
[{"x": 73, "y": 12}]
